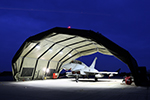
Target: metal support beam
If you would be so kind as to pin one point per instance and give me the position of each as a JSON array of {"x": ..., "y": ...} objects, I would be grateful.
[
  {"x": 63, "y": 49},
  {"x": 71, "y": 51},
  {"x": 46, "y": 51},
  {"x": 26, "y": 55}
]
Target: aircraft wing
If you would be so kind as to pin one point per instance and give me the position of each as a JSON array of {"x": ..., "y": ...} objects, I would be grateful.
[
  {"x": 89, "y": 72},
  {"x": 108, "y": 72}
]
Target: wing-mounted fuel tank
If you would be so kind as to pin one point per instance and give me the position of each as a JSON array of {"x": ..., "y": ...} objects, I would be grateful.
[{"x": 99, "y": 75}]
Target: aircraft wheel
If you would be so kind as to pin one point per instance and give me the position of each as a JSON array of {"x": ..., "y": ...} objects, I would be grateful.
[
  {"x": 77, "y": 78},
  {"x": 96, "y": 79}
]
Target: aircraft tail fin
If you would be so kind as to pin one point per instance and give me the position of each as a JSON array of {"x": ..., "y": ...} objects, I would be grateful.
[
  {"x": 118, "y": 70},
  {"x": 93, "y": 63}
]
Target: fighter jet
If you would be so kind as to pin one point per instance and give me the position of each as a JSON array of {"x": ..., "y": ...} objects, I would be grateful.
[{"x": 79, "y": 69}]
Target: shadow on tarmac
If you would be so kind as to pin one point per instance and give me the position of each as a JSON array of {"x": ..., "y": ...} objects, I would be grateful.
[{"x": 91, "y": 80}]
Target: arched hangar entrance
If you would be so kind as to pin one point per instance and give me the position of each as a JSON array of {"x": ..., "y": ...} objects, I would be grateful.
[{"x": 51, "y": 49}]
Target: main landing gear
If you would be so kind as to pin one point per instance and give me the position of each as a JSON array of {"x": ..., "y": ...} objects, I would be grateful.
[
  {"x": 77, "y": 78},
  {"x": 96, "y": 79}
]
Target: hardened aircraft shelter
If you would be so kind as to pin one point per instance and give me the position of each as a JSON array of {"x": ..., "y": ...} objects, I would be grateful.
[{"x": 43, "y": 54}]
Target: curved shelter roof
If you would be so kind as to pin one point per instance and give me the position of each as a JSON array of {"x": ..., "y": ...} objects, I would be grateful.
[{"x": 55, "y": 47}]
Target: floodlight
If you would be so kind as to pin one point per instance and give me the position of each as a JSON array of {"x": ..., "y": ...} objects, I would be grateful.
[
  {"x": 47, "y": 70},
  {"x": 44, "y": 69}
]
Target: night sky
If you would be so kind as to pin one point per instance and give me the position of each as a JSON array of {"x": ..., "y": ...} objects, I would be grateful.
[{"x": 125, "y": 22}]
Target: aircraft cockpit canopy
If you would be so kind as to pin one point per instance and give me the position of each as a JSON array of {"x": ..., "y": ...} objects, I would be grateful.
[{"x": 76, "y": 62}]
